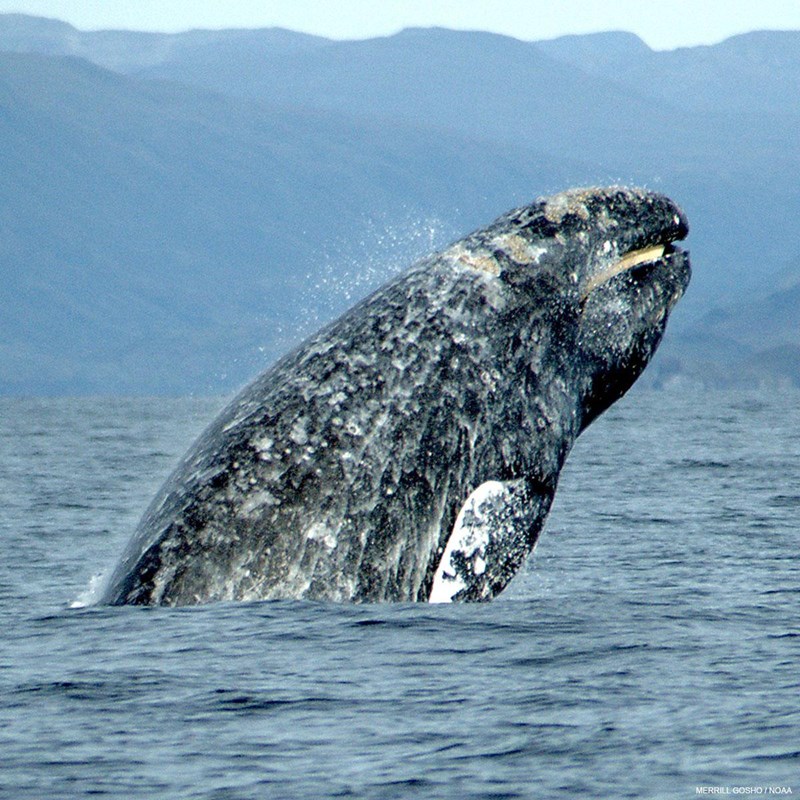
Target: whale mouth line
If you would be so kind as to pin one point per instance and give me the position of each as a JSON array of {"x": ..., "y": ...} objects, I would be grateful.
[{"x": 634, "y": 258}]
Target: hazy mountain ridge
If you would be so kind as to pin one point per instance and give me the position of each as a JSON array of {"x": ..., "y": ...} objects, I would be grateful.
[
  {"x": 631, "y": 125},
  {"x": 157, "y": 238},
  {"x": 751, "y": 72},
  {"x": 153, "y": 233},
  {"x": 131, "y": 51}
]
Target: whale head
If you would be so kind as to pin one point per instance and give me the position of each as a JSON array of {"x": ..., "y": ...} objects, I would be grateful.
[{"x": 601, "y": 267}]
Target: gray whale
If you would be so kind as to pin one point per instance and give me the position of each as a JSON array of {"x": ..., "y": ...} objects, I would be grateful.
[{"x": 459, "y": 386}]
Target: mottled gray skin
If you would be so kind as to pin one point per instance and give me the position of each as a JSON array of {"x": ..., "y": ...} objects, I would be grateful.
[{"x": 338, "y": 474}]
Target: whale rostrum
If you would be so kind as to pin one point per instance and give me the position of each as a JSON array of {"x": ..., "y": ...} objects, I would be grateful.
[{"x": 410, "y": 450}]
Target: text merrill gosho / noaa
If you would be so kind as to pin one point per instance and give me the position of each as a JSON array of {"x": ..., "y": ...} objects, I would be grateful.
[{"x": 743, "y": 790}]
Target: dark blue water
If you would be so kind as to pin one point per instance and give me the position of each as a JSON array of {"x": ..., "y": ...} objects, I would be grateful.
[{"x": 650, "y": 649}]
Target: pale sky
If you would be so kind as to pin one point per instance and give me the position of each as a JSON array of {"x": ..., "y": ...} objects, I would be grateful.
[{"x": 663, "y": 25}]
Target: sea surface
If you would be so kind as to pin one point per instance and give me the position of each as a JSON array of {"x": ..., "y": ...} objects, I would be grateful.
[{"x": 650, "y": 649}]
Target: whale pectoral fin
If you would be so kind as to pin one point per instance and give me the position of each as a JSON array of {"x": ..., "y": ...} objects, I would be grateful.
[{"x": 496, "y": 528}]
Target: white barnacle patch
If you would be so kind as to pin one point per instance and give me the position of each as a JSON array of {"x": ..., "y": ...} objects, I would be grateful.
[
  {"x": 337, "y": 398},
  {"x": 263, "y": 444},
  {"x": 467, "y": 544},
  {"x": 320, "y": 532},
  {"x": 570, "y": 202},
  {"x": 255, "y": 502},
  {"x": 518, "y": 248},
  {"x": 477, "y": 260},
  {"x": 490, "y": 378},
  {"x": 299, "y": 434},
  {"x": 353, "y": 428},
  {"x": 399, "y": 364}
]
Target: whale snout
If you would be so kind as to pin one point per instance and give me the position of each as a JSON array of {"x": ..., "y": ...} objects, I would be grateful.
[{"x": 635, "y": 233}]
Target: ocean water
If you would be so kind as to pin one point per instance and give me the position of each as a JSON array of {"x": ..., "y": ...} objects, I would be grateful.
[{"x": 650, "y": 649}]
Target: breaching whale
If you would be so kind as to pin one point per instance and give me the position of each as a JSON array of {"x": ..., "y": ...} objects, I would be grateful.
[{"x": 453, "y": 394}]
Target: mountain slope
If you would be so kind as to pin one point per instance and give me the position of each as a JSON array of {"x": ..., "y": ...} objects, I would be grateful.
[
  {"x": 751, "y": 73},
  {"x": 129, "y": 51},
  {"x": 172, "y": 214},
  {"x": 155, "y": 238},
  {"x": 637, "y": 122}
]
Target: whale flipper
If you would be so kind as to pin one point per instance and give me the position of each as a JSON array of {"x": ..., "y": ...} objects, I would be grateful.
[{"x": 495, "y": 530}]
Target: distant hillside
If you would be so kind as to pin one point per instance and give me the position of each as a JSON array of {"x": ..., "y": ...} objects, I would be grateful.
[
  {"x": 677, "y": 121},
  {"x": 161, "y": 223},
  {"x": 156, "y": 238},
  {"x": 130, "y": 51},
  {"x": 750, "y": 343},
  {"x": 753, "y": 72}
]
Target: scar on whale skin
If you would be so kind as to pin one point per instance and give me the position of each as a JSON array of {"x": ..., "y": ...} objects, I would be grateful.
[{"x": 410, "y": 450}]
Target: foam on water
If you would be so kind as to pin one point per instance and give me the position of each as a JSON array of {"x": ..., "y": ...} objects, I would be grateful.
[{"x": 91, "y": 595}]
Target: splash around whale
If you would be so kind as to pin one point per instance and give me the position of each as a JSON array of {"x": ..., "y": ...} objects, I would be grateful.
[{"x": 410, "y": 450}]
